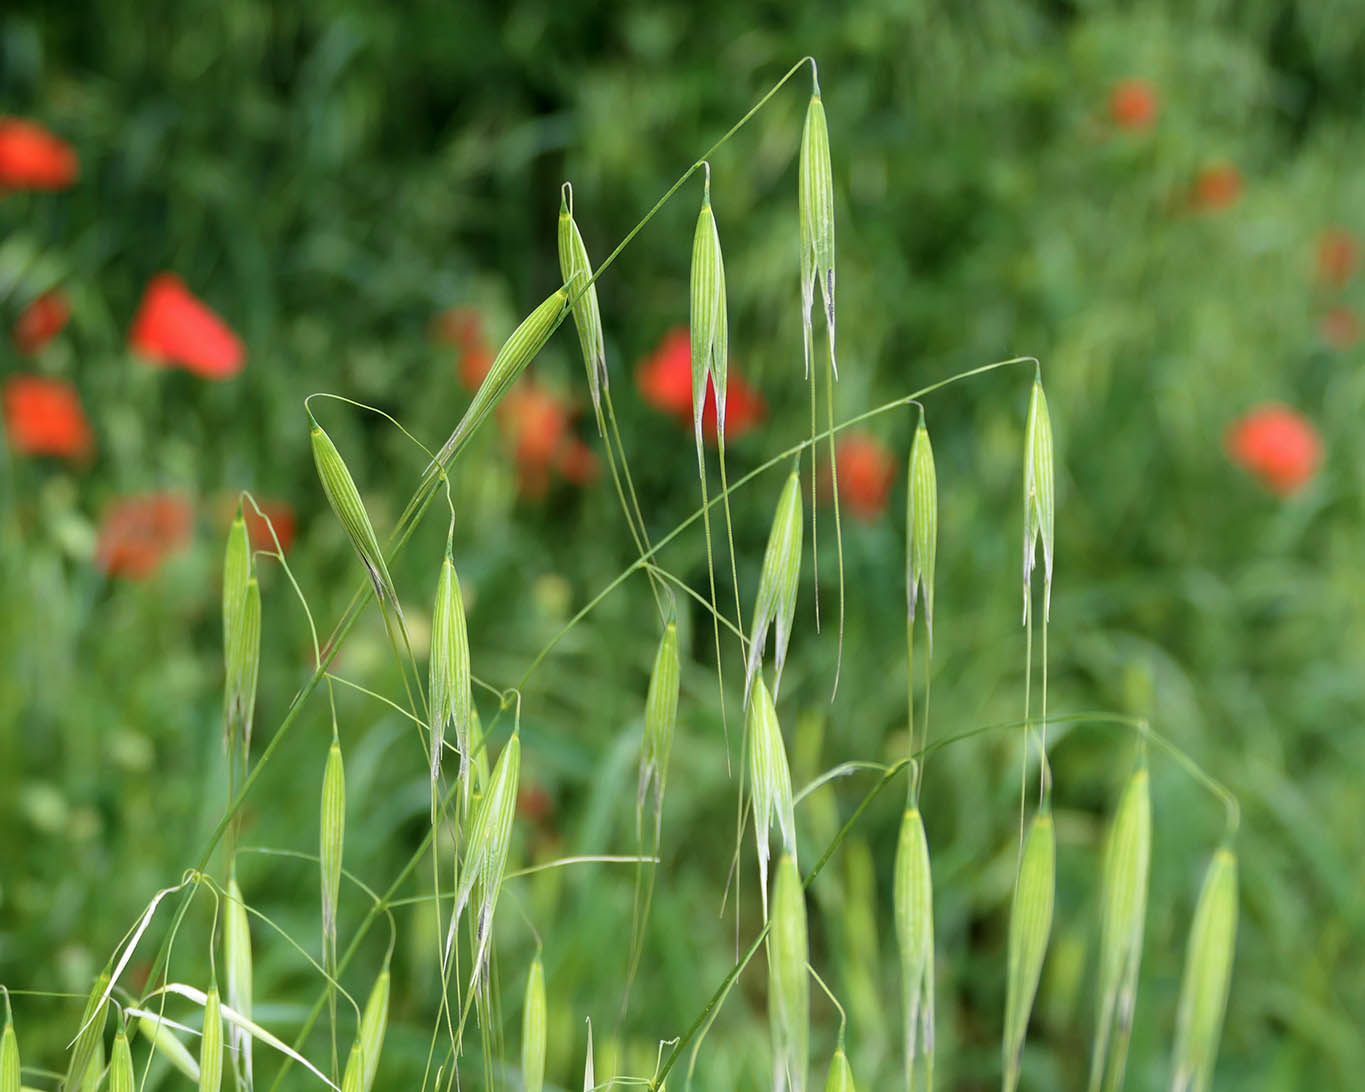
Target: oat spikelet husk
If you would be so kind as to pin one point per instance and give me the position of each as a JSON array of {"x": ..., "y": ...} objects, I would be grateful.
[
  {"x": 121, "y": 1075},
  {"x": 534, "y": 1024},
  {"x": 332, "y": 839},
  {"x": 815, "y": 183},
  {"x": 770, "y": 786},
  {"x": 1038, "y": 496},
  {"x": 840, "y": 1077},
  {"x": 91, "y": 1034},
  {"x": 788, "y": 979},
  {"x": 211, "y": 1044},
  {"x": 1030, "y": 927},
  {"x": 1208, "y": 973},
  {"x": 238, "y": 970},
  {"x": 661, "y": 715},
  {"x": 913, "y": 902},
  {"x": 9, "y": 1056},
  {"x": 374, "y": 1023},
  {"x": 576, "y": 270},
  {"x": 775, "y": 604},
  {"x": 451, "y": 700}
]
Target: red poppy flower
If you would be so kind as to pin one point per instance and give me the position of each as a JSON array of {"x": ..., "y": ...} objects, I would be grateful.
[
  {"x": 31, "y": 158},
  {"x": 578, "y": 462},
  {"x": 459, "y": 326},
  {"x": 474, "y": 364},
  {"x": 1132, "y": 104},
  {"x": 139, "y": 533},
  {"x": 665, "y": 382},
  {"x": 258, "y": 531},
  {"x": 1217, "y": 187},
  {"x": 866, "y": 471},
  {"x": 44, "y": 417},
  {"x": 744, "y": 408},
  {"x": 1338, "y": 256},
  {"x": 173, "y": 327},
  {"x": 1276, "y": 445},
  {"x": 1340, "y": 328},
  {"x": 41, "y": 321}
]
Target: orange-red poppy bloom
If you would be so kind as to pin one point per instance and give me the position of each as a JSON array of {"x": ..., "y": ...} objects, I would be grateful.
[
  {"x": 1338, "y": 256},
  {"x": 1340, "y": 328},
  {"x": 1217, "y": 186},
  {"x": 665, "y": 381},
  {"x": 536, "y": 424},
  {"x": 462, "y": 327},
  {"x": 31, "y": 158},
  {"x": 138, "y": 533},
  {"x": 1133, "y": 104},
  {"x": 174, "y": 328},
  {"x": 44, "y": 417},
  {"x": 866, "y": 471},
  {"x": 1278, "y": 446},
  {"x": 258, "y": 531},
  {"x": 40, "y": 322},
  {"x": 578, "y": 462}
]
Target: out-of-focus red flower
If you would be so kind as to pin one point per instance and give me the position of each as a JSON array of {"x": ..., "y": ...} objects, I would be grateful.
[
  {"x": 172, "y": 327},
  {"x": 866, "y": 471},
  {"x": 534, "y": 803},
  {"x": 1133, "y": 104},
  {"x": 41, "y": 321},
  {"x": 1340, "y": 328},
  {"x": 139, "y": 533},
  {"x": 258, "y": 531},
  {"x": 31, "y": 158},
  {"x": 462, "y": 327},
  {"x": 665, "y": 381},
  {"x": 1338, "y": 256},
  {"x": 578, "y": 462},
  {"x": 44, "y": 417},
  {"x": 474, "y": 364},
  {"x": 536, "y": 423},
  {"x": 1278, "y": 446},
  {"x": 1217, "y": 186}
]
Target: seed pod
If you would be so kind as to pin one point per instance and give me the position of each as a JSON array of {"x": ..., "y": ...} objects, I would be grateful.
[
  {"x": 451, "y": 700},
  {"x": 353, "y": 1079},
  {"x": 165, "y": 1043},
  {"x": 661, "y": 715},
  {"x": 921, "y": 527},
  {"x": 94, "y": 1072},
  {"x": 777, "y": 585},
  {"x": 534, "y": 1023},
  {"x": 1123, "y": 903},
  {"x": 237, "y": 956},
  {"x": 1208, "y": 971},
  {"x": 710, "y": 324},
  {"x": 236, "y": 571},
  {"x": 244, "y": 662},
  {"x": 1030, "y": 925},
  {"x": 373, "y": 1025},
  {"x": 344, "y": 498},
  {"x": 121, "y": 1075},
  {"x": 913, "y": 896},
  {"x": 788, "y": 984},
  {"x": 840, "y": 1077},
  {"x": 333, "y": 834},
  {"x": 9, "y": 1058},
  {"x": 816, "y": 201},
  {"x": 770, "y": 783},
  {"x": 91, "y": 1033},
  {"x": 576, "y": 270},
  {"x": 211, "y": 1044},
  {"x": 1038, "y": 495},
  {"x": 516, "y": 353}
]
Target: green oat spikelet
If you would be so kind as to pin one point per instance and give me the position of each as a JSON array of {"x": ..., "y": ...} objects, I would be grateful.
[
  {"x": 661, "y": 715},
  {"x": 332, "y": 838},
  {"x": 344, "y": 499},
  {"x": 1038, "y": 495},
  {"x": 374, "y": 1023},
  {"x": 576, "y": 271},
  {"x": 1208, "y": 972},
  {"x": 121, "y": 1075},
  {"x": 451, "y": 701},
  {"x": 777, "y": 585},
  {"x": 788, "y": 980},
  {"x": 1030, "y": 927},
  {"x": 94, "y": 1072},
  {"x": 534, "y": 1024},
  {"x": 165, "y": 1043},
  {"x": 1123, "y": 903},
  {"x": 840, "y": 1077},
  {"x": 9, "y": 1055},
  {"x": 913, "y": 899},
  {"x": 91, "y": 1034},
  {"x": 770, "y": 785},
  {"x": 815, "y": 200},
  {"x": 921, "y": 527},
  {"x": 238, "y": 967},
  {"x": 353, "y": 1077},
  {"x": 211, "y": 1044},
  {"x": 244, "y": 664},
  {"x": 236, "y": 572},
  {"x": 709, "y": 321}
]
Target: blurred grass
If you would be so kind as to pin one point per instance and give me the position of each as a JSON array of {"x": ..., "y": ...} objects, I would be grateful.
[{"x": 328, "y": 177}]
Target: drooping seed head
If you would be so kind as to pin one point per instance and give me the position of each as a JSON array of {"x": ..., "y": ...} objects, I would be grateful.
[
  {"x": 816, "y": 202},
  {"x": 94, "y": 1072},
  {"x": 840, "y": 1077},
  {"x": 91, "y": 1033},
  {"x": 211, "y": 1044},
  {"x": 451, "y": 699},
  {"x": 121, "y": 1075},
  {"x": 238, "y": 967},
  {"x": 778, "y": 581},
  {"x": 913, "y": 899},
  {"x": 534, "y": 1024},
  {"x": 576, "y": 270},
  {"x": 374, "y": 1022},
  {"x": 710, "y": 323},
  {"x": 1123, "y": 910},
  {"x": 516, "y": 353},
  {"x": 921, "y": 527},
  {"x": 788, "y": 983},
  {"x": 1038, "y": 495},
  {"x": 165, "y": 1043},
  {"x": 353, "y": 1078},
  {"x": 661, "y": 715},
  {"x": 1208, "y": 972},
  {"x": 769, "y": 782},
  {"x": 236, "y": 570},
  {"x": 589, "y": 1081},
  {"x": 243, "y": 665},
  {"x": 9, "y": 1057},
  {"x": 1030, "y": 927},
  {"x": 344, "y": 499},
  {"x": 333, "y": 836}
]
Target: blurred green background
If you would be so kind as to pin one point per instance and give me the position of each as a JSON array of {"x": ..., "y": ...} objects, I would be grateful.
[{"x": 331, "y": 178}]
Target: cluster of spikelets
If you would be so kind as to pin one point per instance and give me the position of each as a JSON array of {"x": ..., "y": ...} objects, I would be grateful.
[{"x": 484, "y": 800}]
